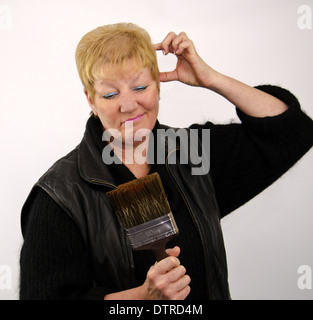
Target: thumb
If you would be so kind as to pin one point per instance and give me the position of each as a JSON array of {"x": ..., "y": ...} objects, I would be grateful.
[
  {"x": 173, "y": 251},
  {"x": 168, "y": 76}
]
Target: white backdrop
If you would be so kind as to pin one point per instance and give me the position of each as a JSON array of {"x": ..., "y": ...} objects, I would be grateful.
[{"x": 43, "y": 113}]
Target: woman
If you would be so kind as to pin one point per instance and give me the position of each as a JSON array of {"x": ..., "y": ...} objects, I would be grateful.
[{"x": 74, "y": 246}]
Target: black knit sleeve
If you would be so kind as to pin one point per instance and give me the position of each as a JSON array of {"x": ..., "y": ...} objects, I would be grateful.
[
  {"x": 54, "y": 261},
  {"x": 248, "y": 157}
]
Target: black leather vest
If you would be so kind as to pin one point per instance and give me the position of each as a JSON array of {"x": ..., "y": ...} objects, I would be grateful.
[{"x": 79, "y": 181}]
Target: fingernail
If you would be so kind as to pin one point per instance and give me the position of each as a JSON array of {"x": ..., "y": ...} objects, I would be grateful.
[{"x": 163, "y": 52}]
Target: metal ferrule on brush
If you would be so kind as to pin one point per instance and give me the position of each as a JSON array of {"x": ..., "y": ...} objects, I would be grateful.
[{"x": 154, "y": 230}]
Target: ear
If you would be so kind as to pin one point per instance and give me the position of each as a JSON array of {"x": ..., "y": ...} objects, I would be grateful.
[{"x": 90, "y": 102}]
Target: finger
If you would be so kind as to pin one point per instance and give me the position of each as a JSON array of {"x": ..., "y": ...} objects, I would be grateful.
[
  {"x": 165, "y": 45},
  {"x": 182, "y": 294},
  {"x": 158, "y": 46},
  {"x": 166, "y": 265},
  {"x": 179, "y": 288},
  {"x": 168, "y": 76},
  {"x": 175, "y": 274},
  {"x": 173, "y": 251},
  {"x": 182, "y": 283},
  {"x": 186, "y": 45},
  {"x": 178, "y": 40}
]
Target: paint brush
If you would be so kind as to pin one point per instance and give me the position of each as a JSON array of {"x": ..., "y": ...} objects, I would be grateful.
[{"x": 143, "y": 210}]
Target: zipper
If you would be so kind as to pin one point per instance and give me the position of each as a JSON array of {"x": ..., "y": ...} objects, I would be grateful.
[
  {"x": 191, "y": 214},
  {"x": 129, "y": 249},
  {"x": 110, "y": 185}
]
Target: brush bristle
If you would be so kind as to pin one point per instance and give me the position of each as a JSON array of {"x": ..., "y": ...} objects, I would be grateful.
[{"x": 139, "y": 201}]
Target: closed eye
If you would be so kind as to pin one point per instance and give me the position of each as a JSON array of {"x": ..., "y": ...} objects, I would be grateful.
[
  {"x": 110, "y": 95},
  {"x": 140, "y": 88}
]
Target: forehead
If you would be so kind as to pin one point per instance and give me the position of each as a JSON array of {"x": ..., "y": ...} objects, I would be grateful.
[{"x": 130, "y": 74}]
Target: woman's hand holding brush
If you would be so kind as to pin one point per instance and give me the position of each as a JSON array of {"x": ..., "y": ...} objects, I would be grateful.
[
  {"x": 166, "y": 280},
  {"x": 143, "y": 210}
]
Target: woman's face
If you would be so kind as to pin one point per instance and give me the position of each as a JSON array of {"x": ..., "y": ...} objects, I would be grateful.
[{"x": 133, "y": 98}]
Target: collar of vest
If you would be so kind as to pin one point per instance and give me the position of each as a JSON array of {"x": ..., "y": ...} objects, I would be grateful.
[{"x": 90, "y": 165}]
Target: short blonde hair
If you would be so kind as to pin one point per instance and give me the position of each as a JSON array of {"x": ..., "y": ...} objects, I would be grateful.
[{"x": 106, "y": 51}]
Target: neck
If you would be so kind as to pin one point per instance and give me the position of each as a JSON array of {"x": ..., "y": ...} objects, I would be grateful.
[{"x": 134, "y": 156}]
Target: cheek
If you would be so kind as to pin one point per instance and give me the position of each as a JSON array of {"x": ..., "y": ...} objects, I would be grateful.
[
  {"x": 104, "y": 107},
  {"x": 152, "y": 102},
  {"x": 107, "y": 114}
]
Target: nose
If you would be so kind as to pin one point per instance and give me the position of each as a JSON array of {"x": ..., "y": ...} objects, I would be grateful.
[{"x": 128, "y": 103}]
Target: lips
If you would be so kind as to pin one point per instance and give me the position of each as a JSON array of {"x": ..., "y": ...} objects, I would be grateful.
[{"x": 135, "y": 118}]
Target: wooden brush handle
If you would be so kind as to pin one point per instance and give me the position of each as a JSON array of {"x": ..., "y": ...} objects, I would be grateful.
[
  {"x": 160, "y": 253},
  {"x": 158, "y": 247}
]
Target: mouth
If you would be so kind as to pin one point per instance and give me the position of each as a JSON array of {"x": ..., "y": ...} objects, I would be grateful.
[{"x": 135, "y": 118}]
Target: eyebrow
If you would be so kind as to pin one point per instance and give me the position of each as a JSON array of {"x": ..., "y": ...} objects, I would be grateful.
[{"x": 134, "y": 78}]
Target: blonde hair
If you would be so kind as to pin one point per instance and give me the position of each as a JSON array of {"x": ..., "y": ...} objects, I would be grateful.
[{"x": 107, "y": 50}]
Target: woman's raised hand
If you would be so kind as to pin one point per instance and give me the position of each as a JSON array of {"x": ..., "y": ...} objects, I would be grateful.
[{"x": 190, "y": 68}]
